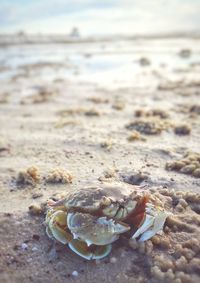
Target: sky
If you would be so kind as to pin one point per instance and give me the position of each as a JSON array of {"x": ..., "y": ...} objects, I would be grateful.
[{"x": 100, "y": 17}]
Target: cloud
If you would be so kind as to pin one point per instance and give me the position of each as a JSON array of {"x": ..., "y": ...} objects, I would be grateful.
[
  {"x": 100, "y": 17},
  {"x": 20, "y": 11}
]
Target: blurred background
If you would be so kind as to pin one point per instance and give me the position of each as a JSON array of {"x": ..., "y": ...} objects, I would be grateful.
[
  {"x": 127, "y": 32},
  {"x": 92, "y": 18}
]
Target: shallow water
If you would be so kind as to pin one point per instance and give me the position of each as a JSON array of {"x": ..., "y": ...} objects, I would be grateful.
[{"x": 106, "y": 64}]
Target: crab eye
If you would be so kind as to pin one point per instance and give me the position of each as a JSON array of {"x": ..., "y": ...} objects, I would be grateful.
[
  {"x": 120, "y": 213},
  {"x": 110, "y": 211},
  {"x": 105, "y": 201}
]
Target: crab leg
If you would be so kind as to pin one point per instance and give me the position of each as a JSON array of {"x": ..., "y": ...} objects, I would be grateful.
[
  {"x": 57, "y": 227},
  {"x": 89, "y": 253},
  {"x": 148, "y": 222},
  {"x": 158, "y": 223},
  {"x": 138, "y": 215},
  {"x": 153, "y": 222}
]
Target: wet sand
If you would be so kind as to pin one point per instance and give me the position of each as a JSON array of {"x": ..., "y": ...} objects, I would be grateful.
[{"x": 101, "y": 115}]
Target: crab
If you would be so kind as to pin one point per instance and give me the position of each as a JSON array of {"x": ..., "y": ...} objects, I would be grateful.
[{"x": 89, "y": 220}]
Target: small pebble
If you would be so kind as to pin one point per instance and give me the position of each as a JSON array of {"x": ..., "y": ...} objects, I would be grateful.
[
  {"x": 24, "y": 246},
  {"x": 35, "y": 209},
  {"x": 97, "y": 261},
  {"x": 113, "y": 260},
  {"x": 36, "y": 195},
  {"x": 52, "y": 254},
  {"x": 75, "y": 273},
  {"x": 182, "y": 130},
  {"x": 34, "y": 249}
]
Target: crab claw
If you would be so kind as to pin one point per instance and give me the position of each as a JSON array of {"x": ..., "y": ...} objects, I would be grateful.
[
  {"x": 50, "y": 203},
  {"x": 56, "y": 205},
  {"x": 93, "y": 230},
  {"x": 57, "y": 226},
  {"x": 152, "y": 224},
  {"x": 92, "y": 252}
]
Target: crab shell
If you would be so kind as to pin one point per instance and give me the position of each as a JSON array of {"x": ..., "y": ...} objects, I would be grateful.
[{"x": 91, "y": 219}]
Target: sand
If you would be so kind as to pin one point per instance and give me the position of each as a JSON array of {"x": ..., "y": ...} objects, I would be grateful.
[{"x": 63, "y": 125}]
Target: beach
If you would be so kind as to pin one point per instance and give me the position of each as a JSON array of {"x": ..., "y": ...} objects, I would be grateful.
[{"x": 90, "y": 112}]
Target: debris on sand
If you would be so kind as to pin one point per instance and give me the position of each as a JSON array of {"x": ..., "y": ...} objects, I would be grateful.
[
  {"x": 98, "y": 100},
  {"x": 170, "y": 85},
  {"x": 78, "y": 111},
  {"x": 108, "y": 175},
  {"x": 92, "y": 112},
  {"x": 30, "y": 176},
  {"x": 43, "y": 95},
  {"x": 182, "y": 130},
  {"x": 136, "y": 136},
  {"x": 185, "y": 53},
  {"x": 180, "y": 87},
  {"x": 195, "y": 109},
  {"x": 4, "y": 147},
  {"x": 134, "y": 178},
  {"x": 59, "y": 175},
  {"x": 107, "y": 144},
  {"x": 189, "y": 164},
  {"x": 118, "y": 105},
  {"x": 70, "y": 112},
  {"x": 65, "y": 122},
  {"x": 147, "y": 127},
  {"x": 35, "y": 209},
  {"x": 4, "y": 98},
  {"x": 144, "y": 61},
  {"x": 37, "y": 195},
  {"x": 152, "y": 113}
]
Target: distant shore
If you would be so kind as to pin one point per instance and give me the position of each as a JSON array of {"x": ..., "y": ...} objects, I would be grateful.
[{"x": 28, "y": 38}]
